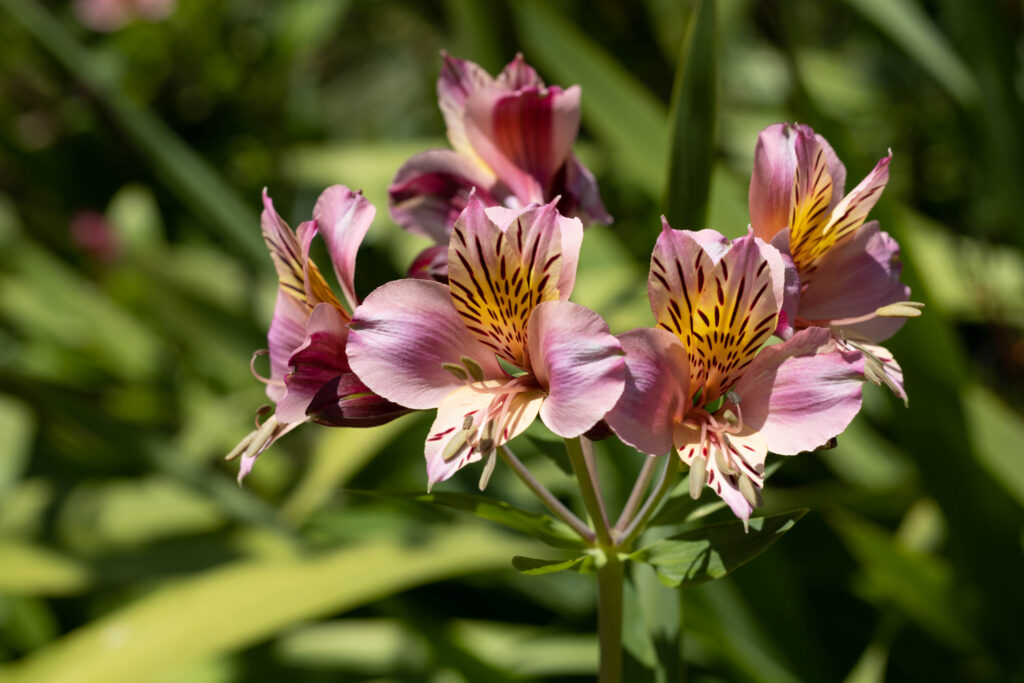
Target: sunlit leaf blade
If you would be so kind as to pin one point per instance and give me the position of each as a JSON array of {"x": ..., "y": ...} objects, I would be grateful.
[
  {"x": 535, "y": 567},
  {"x": 711, "y": 552},
  {"x": 997, "y": 433},
  {"x": 18, "y": 426},
  {"x": 692, "y": 124},
  {"x": 33, "y": 570},
  {"x": 542, "y": 527},
  {"x": 652, "y": 624},
  {"x": 909, "y": 27},
  {"x": 619, "y": 110},
  {"x": 188, "y": 174},
  {"x": 244, "y": 603}
]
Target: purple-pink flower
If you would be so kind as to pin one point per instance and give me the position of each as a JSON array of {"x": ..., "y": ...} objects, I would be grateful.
[
  {"x": 496, "y": 346},
  {"x": 511, "y": 139},
  {"x": 701, "y": 386},
  {"x": 310, "y": 378},
  {"x": 848, "y": 270}
]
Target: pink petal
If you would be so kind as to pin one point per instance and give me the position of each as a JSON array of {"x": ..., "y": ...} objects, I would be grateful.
[
  {"x": 458, "y": 80},
  {"x": 580, "y": 364},
  {"x": 771, "y": 184},
  {"x": 791, "y": 287},
  {"x": 890, "y": 367},
  {"x": 657, "y": 390},
  {"x": 431, "y": 264},
  {"x": 572, "y": 240},
  {"x": 580, "y": 197},
  {"x": 744, "y": 454},
  {"x": 319, "y": 359},
  {"x": 850, "y": 212},
  {"x": 525, "y": 136},
  {"x": 342, "y": 218},
  {"x": 836, "y": 170},
  {"x": 801, "y": 393},
  {"x": 472, "y": 401},
  {"x": 518, "y": 74},
  {"x": 497, "y": 276},
  {"x": 853, "y": 279},
  {"x": 400, "y": 336},
  {"x": 431, "y": 189},
  {"x": 287, "y": 333}
]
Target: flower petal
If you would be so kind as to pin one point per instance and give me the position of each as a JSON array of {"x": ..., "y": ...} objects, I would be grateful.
[
  {"x": 298, "y": 277},
  {"x": 469, "y": 404},
  {"x": 791, "y": 288},
  {"x": 342, "y": 218},
  {"x": 801, "y": 393},
  {"x": 849, "y": 214},
  {"x": 580, "y": 197},
  {"x": 771, "y": 183},
  {"x": 287, "y": 332},
  {"x": 498, "y": 276},
  {"x": 518, "y": 74},
  {"x": 857, "y": 276},
  {"x": 431, "y": 189},
  {"x": 657, "y": 390},
  {"x": 400, "y": 336},
  {"x": 572, "y": 240},
  {"x": 579, "y": 362},
  {"x": 319, "y": 359},
  {"x": 726, "y": 464},
  {"x": 431, "y": 264},
  {"x": 881, "y": 368},
  {"x": 458, "y": 80},
  {"x": 524, "y": 136}
]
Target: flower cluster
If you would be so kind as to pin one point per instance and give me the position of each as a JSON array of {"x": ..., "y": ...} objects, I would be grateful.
[{"x": 760, "y": 344}]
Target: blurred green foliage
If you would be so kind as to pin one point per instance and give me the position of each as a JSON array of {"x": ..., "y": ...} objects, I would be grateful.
[{"x": 133, "y": 288}]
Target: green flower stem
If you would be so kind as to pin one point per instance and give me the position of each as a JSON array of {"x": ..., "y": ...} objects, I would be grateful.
[
  {"x": 585, "y": 471},
  {"x": 643, "y": 480},
  {"x": 666, "y": 484},
  {"x": 609, "y": 618},
  {"x": 546, "y": 497}
]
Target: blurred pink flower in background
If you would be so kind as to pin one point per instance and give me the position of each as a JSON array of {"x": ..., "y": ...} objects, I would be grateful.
[{"x": 110, "y": 15}]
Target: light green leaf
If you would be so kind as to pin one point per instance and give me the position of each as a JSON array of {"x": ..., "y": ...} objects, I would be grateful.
[
  {"x": 536, "y": 567},
  {"x": 17, "y": 427},
  {"x": 542, "y": 527},
  {"x": 33, "y": 570},
  {"x": 692, "y": 123},
  {"x": 620, "y": 110},
  {"x": 997, "y": 433},
  {"x": 372, "y": 646},
  {"x": 224, "y": 610},
  {"x": 908, "y": 26},
  {"x": 711, "y": 552}
]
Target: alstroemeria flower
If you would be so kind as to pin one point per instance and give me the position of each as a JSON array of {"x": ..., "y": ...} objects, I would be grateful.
[
  {"x": 424, "y": 344},
  {"x": 310, "y": 378},
  {"x": 849, "y": 270},
  {"x": 512, "y": 138},
  {"x": 701, "y": 386}
]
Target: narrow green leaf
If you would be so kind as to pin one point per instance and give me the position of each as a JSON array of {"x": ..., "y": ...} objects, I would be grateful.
[
  {"x": 33, "y": 570},
  {"x": 223, "y": 610},
  {"x": 908, "y": 26},
  {"x": 536, "y": 567},
  {"x": 692, "y": 124},
  {"x": 542, "y": 527},
  {"x": 184, "y": 171},
  {"x": 711, "y": 552},
  {"x": 996, "y": 432},
  {"x": 620, "y": 110},
  {"x": 18, "y": 426}
]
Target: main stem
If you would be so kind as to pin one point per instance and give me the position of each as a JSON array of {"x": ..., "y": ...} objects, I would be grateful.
[{"x": 609, "y": 618}]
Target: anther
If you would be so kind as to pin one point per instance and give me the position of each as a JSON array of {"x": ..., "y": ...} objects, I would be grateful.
[
  {"x": 751, "y": 492},
  {"x": 475, "y": 371},
  {"x": 698, "y": 476},
  {"x": 724, "y": 466},
  {"x": 485, "y": 476},
  {"x": 467, "y": 422},
  {"x": 900, "y": 309},
  {"x": 730, "y": 418},
  {"x": 456, "y": 369},
  {"x": 455, "y": 445}
]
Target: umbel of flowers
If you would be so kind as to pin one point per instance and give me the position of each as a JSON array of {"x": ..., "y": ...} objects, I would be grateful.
[{"x": 760, "y": 344}]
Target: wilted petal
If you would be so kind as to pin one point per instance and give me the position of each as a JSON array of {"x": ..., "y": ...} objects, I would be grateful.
[
  {"x": 579, "y": 362},
  {"x": 450, "y": 436},
  {"x": 657, "y": 392},
  {"x": 400, "y": 336},
  {"x": 432, "y": 188},
  {"x": 458, "y": 80},
  {"x": 498, "y": 276},
  {"x": 342, "y": 218},
  {"x": 856, "y": 277},
  {"x": 319, "y": 359},
  {"x": 771, "y": 184},
  {"x": 801, "y": 393},
  {"x": 525, "y": 136}
]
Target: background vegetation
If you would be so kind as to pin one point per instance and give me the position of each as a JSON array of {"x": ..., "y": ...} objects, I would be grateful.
[{"x": 134, "y": 286}]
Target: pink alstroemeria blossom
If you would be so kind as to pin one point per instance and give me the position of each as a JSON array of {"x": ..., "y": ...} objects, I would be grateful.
[
  {"x": 310, "y": 378},
  {"x": 424, "y": 344},
  {"x": 511, "y": 139},
  {"x": 701, "y": 386},
  {"x": 849, "y": 270}
]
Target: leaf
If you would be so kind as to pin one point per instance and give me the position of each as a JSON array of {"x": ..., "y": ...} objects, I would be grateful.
[
  {"x": 620, "y": 110},
  {"x": 535, "y": 567},
  {"x": 692, "y": 124},
  {"x": 18, "y": 426},
  {"x": 908, "y": 26},
  {"x": 711, "y": 552},
  {"x": 224, "y": 610},
  {"x": 996, "y": 432},
  {"x": 33, "y": 570},
  {"x": 542, "y": 527}
]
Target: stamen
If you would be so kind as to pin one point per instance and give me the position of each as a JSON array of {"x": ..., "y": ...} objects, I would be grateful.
[
  {"x": 698, "y": 476},
  {"x": 457, "y": 370},
  {"x": 485, "y": 476},
  {"x": 467, "y": 422},
  {"x": 455, "y": 445},
  {"x": 473, "y": 367},
  {"x": 751, "y": 492},
  {"x": 722, "y": 460},
  {"x": 901, "y": 309},
  {"x": 252, "y": 368}
]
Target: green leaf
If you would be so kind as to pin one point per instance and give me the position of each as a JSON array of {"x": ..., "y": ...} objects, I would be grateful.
[
  {"x": 18, "y": 426},
  {"x": 996, "y": 432},
  {"x": 33, "y": 570},
  {"x": 542, "y": 527},
  {"x": 620, "y": 110},
  {"x": 224, "y": 610},
  {"x": 692, "y": 121},
  {"x": 908, "y": 26},
  {"x": 535, "y": 567},
  {"x": 711, "y": 552}
]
